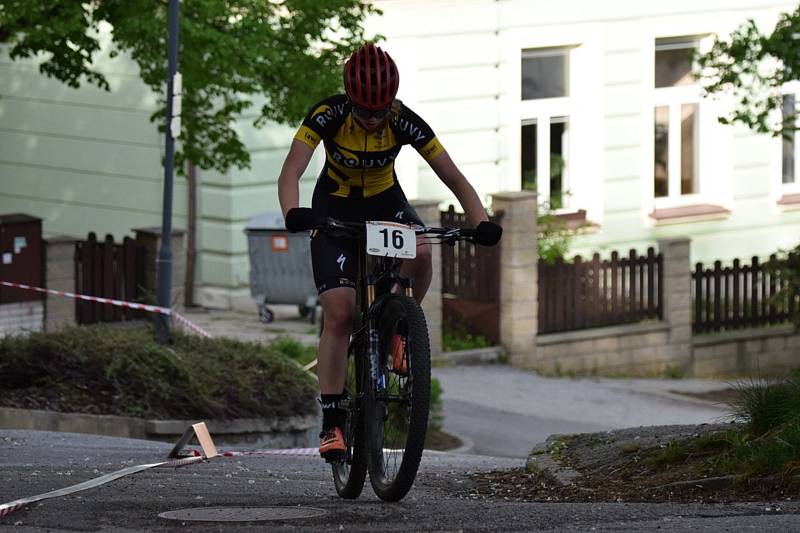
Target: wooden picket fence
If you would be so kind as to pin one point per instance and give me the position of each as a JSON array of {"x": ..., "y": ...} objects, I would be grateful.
[
  {"x": 589, "y": 294},
  {"x": 740, "y": 296},
  {"x": 108, "y": 270},
  {"x": 470, "y": 283}
]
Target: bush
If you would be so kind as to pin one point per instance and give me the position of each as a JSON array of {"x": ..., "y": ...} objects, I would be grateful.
[
  {"x": 123, "y": 371},
  {"x": 436, "y": 409},
  {"x": 787, "y": 265}
]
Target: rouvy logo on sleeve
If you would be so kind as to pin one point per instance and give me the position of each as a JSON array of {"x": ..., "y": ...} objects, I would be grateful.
[
  {"x": 324, "y": 113},
  {"x": 413, "y": 131}
]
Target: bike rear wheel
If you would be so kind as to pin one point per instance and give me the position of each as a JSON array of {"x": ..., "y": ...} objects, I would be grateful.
[
  {"x": 349, "y": 475},
  {"x": 397, "y": 419}
]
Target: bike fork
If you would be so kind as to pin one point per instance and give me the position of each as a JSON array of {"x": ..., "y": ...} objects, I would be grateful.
[{"x": 377, "y": 376}]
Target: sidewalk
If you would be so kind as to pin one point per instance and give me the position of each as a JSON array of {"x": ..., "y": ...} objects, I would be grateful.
[{"x": 248, "y": 327}]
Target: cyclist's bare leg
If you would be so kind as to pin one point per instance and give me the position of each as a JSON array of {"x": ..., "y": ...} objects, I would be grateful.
[
  {"x": 419, "y": 269},
  {"x": 338, "y": 307}
]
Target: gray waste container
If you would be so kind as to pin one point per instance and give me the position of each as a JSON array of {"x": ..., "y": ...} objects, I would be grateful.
[{"x": 280, "y": 266}]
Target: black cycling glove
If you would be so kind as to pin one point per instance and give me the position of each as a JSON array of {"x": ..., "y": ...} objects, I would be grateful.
[
  {"x": 488, "y": 233},
  {"x": 300, "y": 219}
]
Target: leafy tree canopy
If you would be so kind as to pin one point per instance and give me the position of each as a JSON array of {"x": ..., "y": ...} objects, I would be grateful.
[
  {"x": 753, "y": 68},
  {"x": 231, "y": 51}
]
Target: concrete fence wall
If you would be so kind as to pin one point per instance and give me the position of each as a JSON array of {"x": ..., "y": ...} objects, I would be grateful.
[
  {"x": 428, "y": 211},
  {"x": 518, "y": 276},
  {"x": 764, "y": 351},
  {"x": 21, "y": 318},
  {"x": 639, "y": 349},
  {"x": 645, "y": 349},
  {"x": 59, "y": 276},
  {"x": 150, "y": 238}
]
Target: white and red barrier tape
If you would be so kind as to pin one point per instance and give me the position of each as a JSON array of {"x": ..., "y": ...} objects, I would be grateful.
[
  {"x": 209, "y": 451},
  {"x": 264, "y": 453},
  {"x": 119, "y": 303},
  {"x": 10, "y": 507}
]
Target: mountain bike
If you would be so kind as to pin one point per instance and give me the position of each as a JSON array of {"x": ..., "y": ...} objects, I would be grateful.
[{"x": 387, "y": 407}]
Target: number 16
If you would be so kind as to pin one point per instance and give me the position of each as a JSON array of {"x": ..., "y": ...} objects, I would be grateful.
[{"x": 397, "y": 238}]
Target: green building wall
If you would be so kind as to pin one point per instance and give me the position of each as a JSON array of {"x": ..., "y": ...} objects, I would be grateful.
[{"x": 88, "y": 160}]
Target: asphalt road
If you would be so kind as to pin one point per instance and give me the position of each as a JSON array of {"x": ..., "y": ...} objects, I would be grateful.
[
  {"x": 503, "y": 411},
  {"x": 37, "y": 462}
]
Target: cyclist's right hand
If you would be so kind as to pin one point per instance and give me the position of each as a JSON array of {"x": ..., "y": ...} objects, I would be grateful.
[{"x": 300, "y": 219}]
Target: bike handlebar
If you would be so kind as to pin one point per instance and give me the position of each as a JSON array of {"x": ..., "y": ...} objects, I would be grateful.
[{"x": 357, "y": 230}]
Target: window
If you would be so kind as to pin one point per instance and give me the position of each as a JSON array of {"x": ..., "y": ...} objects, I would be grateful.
[
  {"x": 789, "y": 140},
  {"x": 676, "y": 120},
  {"x": 545, "y": 120},
  {"x": 555, "y": 190},
  {"x": 673, "y": 63},
  {"x": 545, "y": 73},
  {"x": 788, "y": 183}
]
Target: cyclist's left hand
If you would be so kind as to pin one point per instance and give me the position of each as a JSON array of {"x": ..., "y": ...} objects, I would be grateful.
[{"x": 488, "y": 233}]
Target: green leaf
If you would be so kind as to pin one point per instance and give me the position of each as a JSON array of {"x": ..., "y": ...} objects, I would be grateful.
[{"x": 231, "y": 52}]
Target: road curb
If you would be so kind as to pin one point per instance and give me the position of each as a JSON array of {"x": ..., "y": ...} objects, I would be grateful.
[
  {"x": 541, "y": 461},
  {"x": 677, "y": 396},
  {"x": 287, "y": 432},
  {"x": 476, "y": 356},
  {"x": 467, "y": 445}
]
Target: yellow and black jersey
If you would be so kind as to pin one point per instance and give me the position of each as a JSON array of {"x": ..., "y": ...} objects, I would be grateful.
[{"x": 359, "y": 163}]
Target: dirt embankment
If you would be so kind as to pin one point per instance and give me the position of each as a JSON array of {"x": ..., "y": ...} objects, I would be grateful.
[{"x": 647, "y": 464}]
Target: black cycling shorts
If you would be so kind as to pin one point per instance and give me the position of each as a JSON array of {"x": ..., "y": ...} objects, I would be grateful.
[{"x": 335, "y": 259}]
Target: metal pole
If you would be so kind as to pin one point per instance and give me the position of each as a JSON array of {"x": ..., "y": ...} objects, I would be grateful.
[{"x": 164, "y": 261}]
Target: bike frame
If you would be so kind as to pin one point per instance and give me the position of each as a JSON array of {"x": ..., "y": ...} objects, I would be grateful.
[
  {"x": 372, "y": 288},
  {"x": 385, "y": 276}
]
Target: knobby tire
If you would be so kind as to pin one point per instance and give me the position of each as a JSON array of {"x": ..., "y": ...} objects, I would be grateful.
[
  {"x": 349, "y": 475},
  {"x": 396, "y": 429}
]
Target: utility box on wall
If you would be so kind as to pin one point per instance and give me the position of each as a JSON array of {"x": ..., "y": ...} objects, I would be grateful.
[
  {"x": 21, "y": 261},
  {"x": 20, "y": 256}
]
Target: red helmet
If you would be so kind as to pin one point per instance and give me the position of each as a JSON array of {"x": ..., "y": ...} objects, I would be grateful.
[{"x": 371, "y": 78}]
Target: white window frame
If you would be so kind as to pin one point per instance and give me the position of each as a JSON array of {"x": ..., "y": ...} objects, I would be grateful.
[
  {"x": 674, "y": 98},
  {"x": 583, "y": 108},
  {"x": 715, "y": 141},
  {"x": 542, "y": 111},
  {"x": 781, "y": 188}
]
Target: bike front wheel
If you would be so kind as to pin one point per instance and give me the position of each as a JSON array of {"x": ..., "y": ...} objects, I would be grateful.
[
  {"x": 397, "y": 416},
  {"x": 349, "y": 475}
]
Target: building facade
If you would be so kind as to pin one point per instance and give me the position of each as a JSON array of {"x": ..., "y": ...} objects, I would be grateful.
[{"x": 597, "y": 96}]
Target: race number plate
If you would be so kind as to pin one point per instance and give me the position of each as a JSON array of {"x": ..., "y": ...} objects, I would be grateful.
[{"x": 390, "y": 239}]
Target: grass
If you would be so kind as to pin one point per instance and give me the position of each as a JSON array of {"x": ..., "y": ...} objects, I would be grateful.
[
  {"x": 558, "y": 447},
  {"x": 768, "y": 444},
  {"x": 123, "y": 371},
  {"x": 675, "y": 372},
  {"x": 460, "y": 339},
  {"x": 295, "y": 350}
]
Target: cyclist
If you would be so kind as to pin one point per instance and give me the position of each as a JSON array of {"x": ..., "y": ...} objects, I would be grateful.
[{"x": 362, "y": 131}]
